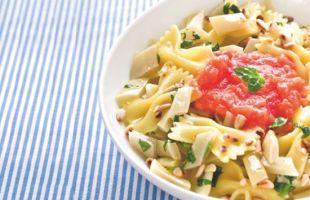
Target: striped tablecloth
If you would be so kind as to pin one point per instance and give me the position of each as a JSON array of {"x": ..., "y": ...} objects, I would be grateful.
[{"x": 53, "y": 143}]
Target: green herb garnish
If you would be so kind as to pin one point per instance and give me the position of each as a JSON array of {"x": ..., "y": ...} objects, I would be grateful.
[
  {"x": 202, "y": 181},
  {"x": 158, "y": 58},
  {"x": 284, "y": 185},
  {"x": 279, "y": 23},
  {"x": 252, "y": 77},
  {"x": 166, "y": 142},
  {"x": 230, "y": 8},
  {"x": 196, "y": 36},
  {"x": 176, "y": 118},
  {"x": 215, "y": 47},
  {"x": 216, "y": 175},
  {"x": 278, "y": 122},
  {"x": 186, "y": 44},
  {"x": 131, "y": 86},
  {"x": 183, "y": 35},
  {"x": 190, "y": 157},
  {"x": 172, "y": 97},
  {"x": 208, "y": 148},
  {"x": 305, "y": 130},
  {"x": 144, "y": 145}
]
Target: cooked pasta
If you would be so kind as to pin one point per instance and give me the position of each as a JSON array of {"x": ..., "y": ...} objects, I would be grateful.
[{"x": 221, "y": 106}]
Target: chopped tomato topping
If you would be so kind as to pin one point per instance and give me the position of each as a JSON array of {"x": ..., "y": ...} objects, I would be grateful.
[{"x": 282, "y": 94}]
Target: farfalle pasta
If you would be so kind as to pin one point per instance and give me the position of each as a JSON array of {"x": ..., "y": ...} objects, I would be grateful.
[{"x": 221, "y": 106}]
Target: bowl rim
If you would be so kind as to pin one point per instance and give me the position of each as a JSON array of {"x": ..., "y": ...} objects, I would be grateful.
[{"x": 164, "y": 185}]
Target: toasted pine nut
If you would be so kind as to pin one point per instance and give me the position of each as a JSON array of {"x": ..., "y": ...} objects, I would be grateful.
[
  {"x": 173, "y": 87},
  {"x": 249, "y": 141},
  {"x": 128, "y": 129},
  {"x": 228, "y": 120},
  {"x": 243, "y": 182},
  {"x": 210, "y": 168},
  {"x": 226, "y": 197},
  {"x": 239, "y": 121},
  {"x": 262, "y": 25},
  {"x": 200, "y": 170},
  {"x": 305, "y": 180},
  {"x": 120, "y": 115},
  {"x": 178, "y": 172},
  {"x": 265, "y": 184},
  {"x": 289, "y": 18},
  {"x": 149, "y": 161}
]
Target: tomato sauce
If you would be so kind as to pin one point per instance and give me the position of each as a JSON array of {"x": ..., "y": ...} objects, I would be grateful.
[{"x": 282, "y": 94}]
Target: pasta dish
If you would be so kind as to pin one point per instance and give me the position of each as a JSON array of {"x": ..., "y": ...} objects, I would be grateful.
[{"x": 221, "y": 106}]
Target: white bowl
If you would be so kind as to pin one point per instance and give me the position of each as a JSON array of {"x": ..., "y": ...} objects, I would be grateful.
[{"x": 151, "y": 25}]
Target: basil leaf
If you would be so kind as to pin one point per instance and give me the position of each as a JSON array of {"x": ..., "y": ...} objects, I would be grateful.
[
  {"x": 144, "y": 145},
  {"x": 183, "y": 35},
  {"x": 252, "y": 77},
  {"x": 158, "y": 58},
  {"x": 131, "y": 86},
  {"x": 230, "y": 8},
  {"x": 166, "y": 142},
  {"x": 284, "y": 185},
  {"x": 172, "y": 97},
  {"x": 216, "y": 175},
  {"x": 215, "y": 47},
  {"x": 226, "y": 8},
  {"x": 201, "y": 182},
  {"x": 186, "y": 44},
  {"x": 208, "y": 148},
  {"x": 305, "y": 130},
  {"x": 190, "y": 157},
  {"x": 234, "y": 8},
  {"x": 278, "y": 122},
  {"x": 196, "y": 36},
  {"x": 176, "y": 118}
]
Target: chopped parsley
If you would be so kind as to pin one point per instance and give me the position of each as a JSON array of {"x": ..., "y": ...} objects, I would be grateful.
[
  {"x": 144, "y": 145},
  {"x": 305, "y": 130},
  {"x": 183, "y": 35},
  {"x": 158, "y": 58},
  {"x": 176, "y": 118},
  {"x": 209, "y": 146},
  {"x": 190, "y": 157},
  {"x": 279, "y": 23},
  {"x": 186, "y": 44},
  {"x": 166, "y": 142},
  {"x": 250, "y": 75},
  {"x": 202, "y": 181},
  {"x": 215, "y": 47},
  {"x": 196, "y": 36},
  {"x": 284, "y": 185},
  {"x": 278, "y": 122},
  {"x": 230, "y": 8},
  {"x": 131, "y": 86},
  {"x": 216, "y": 175}
]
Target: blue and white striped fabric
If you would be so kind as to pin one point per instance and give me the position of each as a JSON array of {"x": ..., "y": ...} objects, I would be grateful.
[{"x": 53, "y": 144}]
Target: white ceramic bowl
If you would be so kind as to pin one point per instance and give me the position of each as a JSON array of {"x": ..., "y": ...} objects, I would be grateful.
[{"x": 151, "y": 25}]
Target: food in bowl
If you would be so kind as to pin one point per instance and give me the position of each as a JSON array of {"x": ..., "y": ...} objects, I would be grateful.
[{"x": 221, "y": 107}]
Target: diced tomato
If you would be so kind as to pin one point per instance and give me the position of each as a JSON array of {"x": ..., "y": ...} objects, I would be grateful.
[{"x": 222, "y": 90}]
